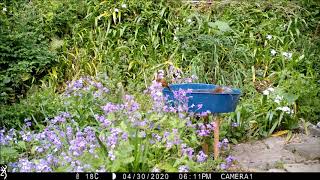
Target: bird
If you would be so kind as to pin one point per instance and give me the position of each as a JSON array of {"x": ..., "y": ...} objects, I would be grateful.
[
  {"x": 220, "y": 89},
  {"x": 163, "y": 83}
]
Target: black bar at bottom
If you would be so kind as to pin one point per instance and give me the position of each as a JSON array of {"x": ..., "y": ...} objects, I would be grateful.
[{"x": 161, "y": 176}]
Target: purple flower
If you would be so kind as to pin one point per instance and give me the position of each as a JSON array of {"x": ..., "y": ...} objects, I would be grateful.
[
  {"x": 223, "y": 166},
  {"x": 203, "y": 131},
  {"x": 103, "y": 120},
  {"x": 124, "y": 136},
  {"x": 142, "y": 134},
  {"x": 235, "y": 124},
  {"x": 156, "y": 136},
  {"x": 224, "y": 143},
  {"x": 28, "y": 122},
  {"x": 157, "y": 97},
  {"x": 166, "y": 134},
  {"x": 130, "y": 104},
  {"x": 201, "y": 157},
  {"x": 187, "y": 151},
  {"x": 230, "y": 160},
  {"x": 111, "y": 156},
  {"x": 184, "y": 168},
  {"x": 200, "y": 106},
  {"x": 169, "y": 145},
  {"x": 109, "y": 107}
]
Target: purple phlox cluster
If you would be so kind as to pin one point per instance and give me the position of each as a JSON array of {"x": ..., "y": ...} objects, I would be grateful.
[
  {"x": 135, "y": 118},
  {"x": 52, "y": 135},
  {"x": 188, "y": 151},
  {"x": 105, "y": 122},
  {"x": 38, "y": 165},
  {"x": 155, "y": 90},
  {"x": 203, "y": 114},
  {"x": 182, "y": 99},
  {"x": 167, "y": 108},
  {"x": 83, "y": 141},
  {"x": 183, "y": 168},
  {"x": 176, "y": 137},
  {"x": 42, "y": 166},
  {"x": 115, "y": 133},
  {"x": 130, "y": 104},
  {"x": 224, "y": 143},
  {"x": 61, "y": 118},
  {"x": 189, "y": 124},
  {"x": 205, "y": 129},
  {"x": 26, "y": 136},
  {"x": 234, "y": 124},
  {"x": 181, "y": 95},
  {"x": 157, "y": 137},
  {"x": 27, "y": 122},
  {"x": 24, "y": 165},
  {"x": 11, "y": 136},
  {"x": 77, "y": 166},
  {"x": 229, "y": 161},
  {"x": 172, "y": 138},
  {"x": 69, "y": 132},
  {"x": 110, "y": 107},
  {"x": 85, "y": 83},
  {"x": 201, "y": 157},
  {"x": 124, "y": 136}
]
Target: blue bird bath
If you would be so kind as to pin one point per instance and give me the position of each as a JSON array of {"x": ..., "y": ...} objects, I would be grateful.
[{"x": 203, "y": 94}]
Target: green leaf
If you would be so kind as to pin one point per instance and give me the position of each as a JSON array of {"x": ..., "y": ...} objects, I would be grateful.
[
  {"x": 221, "y": 25},
  {"x": 22, "y": 145}
]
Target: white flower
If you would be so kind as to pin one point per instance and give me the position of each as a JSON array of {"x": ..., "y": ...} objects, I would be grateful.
[
  {"x": 124, "y": 6},
  {"x": 273, "y": 52},
  {"x": 285, "y": 109},
  {"x": 287, "y": 55},
  {"x": 265, "y": 92},
  {"x": 269, "y": 36},
  {"x": 268, "y": 91},
  {"x": 189, "y": 21},
  {"x": 4, "y": 9},
  {"x": 116, "y": 10},
  {"x": 278, "y": 99},
  {"x": 155, "y": 169},
  {"x": 175, "y": 38}
]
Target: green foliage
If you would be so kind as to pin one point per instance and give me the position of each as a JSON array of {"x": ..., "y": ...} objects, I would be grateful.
[
  {"x": 55, "y": 41},
  {"x": 24, "y": 52}
]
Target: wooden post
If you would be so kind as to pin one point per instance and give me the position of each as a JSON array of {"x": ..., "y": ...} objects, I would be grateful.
[{"x": 216, "y": 138}]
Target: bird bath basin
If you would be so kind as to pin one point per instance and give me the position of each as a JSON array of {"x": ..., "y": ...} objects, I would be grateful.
[{"x": 204, "y": 94}]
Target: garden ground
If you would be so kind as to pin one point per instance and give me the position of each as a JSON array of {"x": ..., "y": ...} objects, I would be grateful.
[{"x": 301, "y": 153}]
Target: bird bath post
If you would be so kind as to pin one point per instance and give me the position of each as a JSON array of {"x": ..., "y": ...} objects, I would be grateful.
[{"x": 215, "y": 103}]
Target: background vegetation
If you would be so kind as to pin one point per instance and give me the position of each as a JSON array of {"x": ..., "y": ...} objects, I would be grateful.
[{"x": 46, "y": 43}]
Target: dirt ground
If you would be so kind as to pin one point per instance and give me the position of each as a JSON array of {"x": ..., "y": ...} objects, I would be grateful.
[{"x": 275, "y": 154}]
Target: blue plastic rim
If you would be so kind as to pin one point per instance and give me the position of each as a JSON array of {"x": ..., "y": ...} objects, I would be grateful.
[{"x": 215, "y": 103}]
